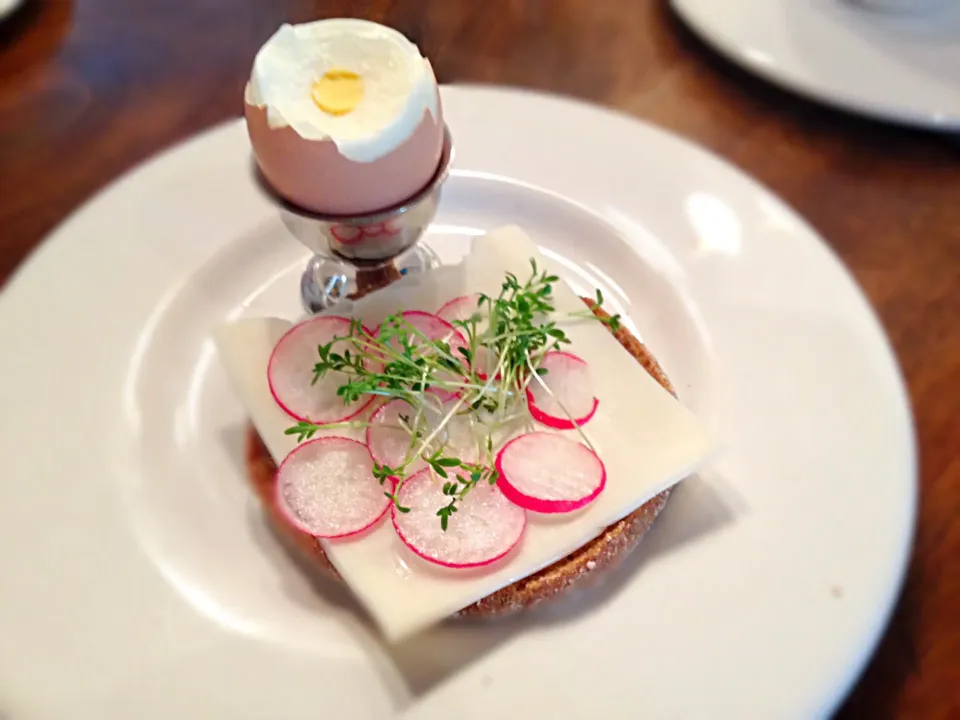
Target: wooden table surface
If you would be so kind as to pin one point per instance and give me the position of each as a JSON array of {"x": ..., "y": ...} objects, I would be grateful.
[{"x": 92, "y": 87}]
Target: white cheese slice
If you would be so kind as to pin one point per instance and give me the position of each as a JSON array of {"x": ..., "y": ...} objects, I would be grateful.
[{"x": 647, "y": 440}]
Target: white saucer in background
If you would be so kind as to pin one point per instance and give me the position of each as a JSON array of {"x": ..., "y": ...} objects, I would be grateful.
[
  {"x": 893, "y": 65},
  {"x": 7, "y": 7}
]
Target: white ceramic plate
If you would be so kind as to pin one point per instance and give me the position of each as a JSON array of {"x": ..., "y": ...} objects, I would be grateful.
[
  {"x": 137, "y": 578},
  {"x": 898, "y": 66}
]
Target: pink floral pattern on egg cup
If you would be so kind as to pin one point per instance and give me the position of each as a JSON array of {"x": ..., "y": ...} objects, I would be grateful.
[{"x": 352, "y": 235}]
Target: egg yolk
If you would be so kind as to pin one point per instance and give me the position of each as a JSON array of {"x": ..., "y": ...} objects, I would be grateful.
[{"x": 337, "y": 92}]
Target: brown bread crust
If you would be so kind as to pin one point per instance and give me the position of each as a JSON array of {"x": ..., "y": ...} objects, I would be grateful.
[{"x": 603, "y": 552}]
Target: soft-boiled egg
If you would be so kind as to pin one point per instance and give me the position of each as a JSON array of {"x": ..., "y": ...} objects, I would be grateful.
[{"x": 344, "y": 116}]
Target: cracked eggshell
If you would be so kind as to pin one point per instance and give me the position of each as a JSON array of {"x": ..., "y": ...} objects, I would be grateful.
[
  {"x": 370, "y": 159},
  {"x": 314, "y": 175}
]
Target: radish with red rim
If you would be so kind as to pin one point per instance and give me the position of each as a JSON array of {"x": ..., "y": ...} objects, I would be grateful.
[
  {"x": 549, "y": 473},
  {"x": 463, "y": 308},
  {"x": 434, "y": 328},
  {"x": 389, "y": 434},
  {"x": 456, "y": 436},
  {"x": 326, "y": 488},
  {"x": 388, "y": 441},
  {"x": 290, "y": 372},
  {"x": 460, "y": 308},
  {"x": 431, "y": 326},
  {"x": 485, "y": 528},
  {"x": 562, "y": 398}
]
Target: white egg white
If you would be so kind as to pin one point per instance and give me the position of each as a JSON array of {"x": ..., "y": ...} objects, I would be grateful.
[{"x": 399, "y": 84}]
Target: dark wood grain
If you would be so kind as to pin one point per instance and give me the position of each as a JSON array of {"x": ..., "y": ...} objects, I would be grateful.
[{"x": 90, "y": 88}]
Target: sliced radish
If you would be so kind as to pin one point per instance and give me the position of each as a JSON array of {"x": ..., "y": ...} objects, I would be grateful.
[
  {"x": 460, "y": 308},
  {"x": 549, "y": 473},
  {"x": 435, "y": 328},
  {"x": 568, "y": 390},
  {"x": 389, "y": 440},
  {"x": 485, "y": 361},
  {"x": 326, "y": 488},
  {"x": 290, "y": 372},
  {"x": 485, "y": 527},
  {"x": 457, "y": 436}
]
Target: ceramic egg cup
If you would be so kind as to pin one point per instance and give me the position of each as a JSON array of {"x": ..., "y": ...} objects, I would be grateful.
[{"x": 360, "y": 253}]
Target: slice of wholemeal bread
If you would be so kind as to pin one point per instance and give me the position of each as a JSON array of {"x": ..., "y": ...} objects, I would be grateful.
[{"x": 603, "y": 552}]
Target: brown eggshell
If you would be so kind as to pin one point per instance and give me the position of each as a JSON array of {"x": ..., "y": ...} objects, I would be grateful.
[{"x": 314, "y": 175}]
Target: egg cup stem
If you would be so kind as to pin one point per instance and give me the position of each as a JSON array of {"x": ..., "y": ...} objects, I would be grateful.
[
  {"x": 322, "y": 284},
  {"x": 325, "y": 282}
]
